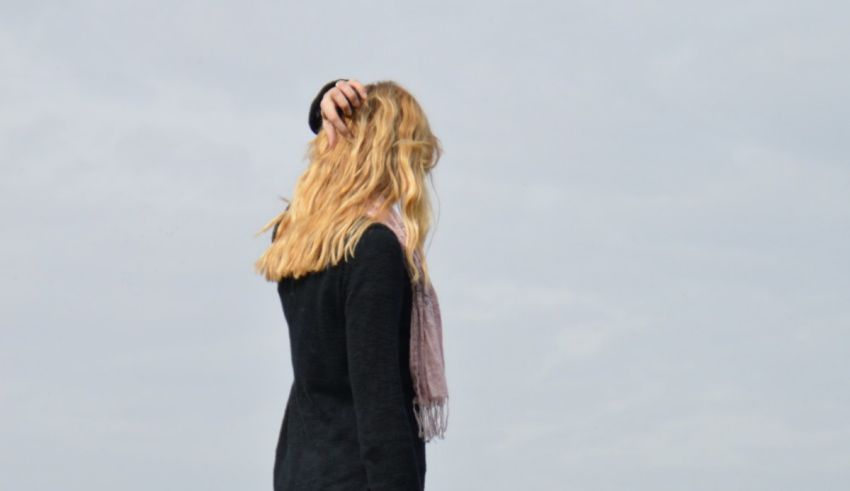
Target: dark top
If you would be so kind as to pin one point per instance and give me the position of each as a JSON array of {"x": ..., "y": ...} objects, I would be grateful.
[{"x": 349, "y": 423}]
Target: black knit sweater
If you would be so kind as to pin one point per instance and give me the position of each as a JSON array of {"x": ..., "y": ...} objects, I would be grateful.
[{"x": 349, "y": 423}]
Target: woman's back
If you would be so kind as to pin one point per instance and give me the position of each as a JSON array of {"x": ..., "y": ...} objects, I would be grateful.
[{"x": 349, "y": 422}]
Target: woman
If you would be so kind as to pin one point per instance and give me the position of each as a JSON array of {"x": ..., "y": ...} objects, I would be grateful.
[{"x": 363, "y": 319}]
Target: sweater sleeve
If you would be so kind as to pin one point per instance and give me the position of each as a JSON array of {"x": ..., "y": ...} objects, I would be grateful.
[
  {"x": 374, "y": 296},
  {"x": 315, "y": 117}
]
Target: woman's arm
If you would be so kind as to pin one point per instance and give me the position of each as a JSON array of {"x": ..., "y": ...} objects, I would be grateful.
[
  {"x": 374, "y": 304},
  {"x": 315, "y": 118},
  {"x": 336, "y": 98}
]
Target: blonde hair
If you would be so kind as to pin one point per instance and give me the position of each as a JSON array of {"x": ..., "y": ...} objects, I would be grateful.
[{"x": 388, "y": 155}]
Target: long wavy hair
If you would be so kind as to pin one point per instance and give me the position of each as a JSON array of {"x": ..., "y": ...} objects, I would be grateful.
[{"x": 389, "y": 154}]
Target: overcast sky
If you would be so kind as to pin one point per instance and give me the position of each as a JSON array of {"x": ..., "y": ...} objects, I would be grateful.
[{"x": 641, "y": 250}]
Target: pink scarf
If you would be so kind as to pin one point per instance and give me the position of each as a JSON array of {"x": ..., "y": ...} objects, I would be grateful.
[{"x": 427, "y": 365}]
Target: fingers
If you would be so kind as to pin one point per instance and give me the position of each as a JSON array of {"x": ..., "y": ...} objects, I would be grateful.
[
  {"x": 351, "y": 95},
  {"x": 345, "y": 96},
  {"x": 329, "y": 129},
  {"x": 341, "y": 100},
  {"x": 329, "y": 112},
  {"x": 361, "y": 90}
]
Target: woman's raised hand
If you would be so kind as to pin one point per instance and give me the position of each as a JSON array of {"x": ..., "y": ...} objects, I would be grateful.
[{"x": 345, "y": 96}]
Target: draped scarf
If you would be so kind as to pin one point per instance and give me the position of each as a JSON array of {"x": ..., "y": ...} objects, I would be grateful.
[{"x": 427, "y": 364}]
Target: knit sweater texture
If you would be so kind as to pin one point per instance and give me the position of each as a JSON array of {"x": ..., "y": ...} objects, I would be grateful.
[{"x": 349, "y": 423}]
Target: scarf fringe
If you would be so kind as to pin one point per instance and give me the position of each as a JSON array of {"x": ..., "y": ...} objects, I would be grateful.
[{"x": 433, "y": 418}]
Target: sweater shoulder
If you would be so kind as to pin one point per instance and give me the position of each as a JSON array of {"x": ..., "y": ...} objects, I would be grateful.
[
  {"x": 378, "y": 234},
  {"x": 377, "y": 243},
  {"x": 378, "y": 253},
  {"x": 376, "y": 279}
]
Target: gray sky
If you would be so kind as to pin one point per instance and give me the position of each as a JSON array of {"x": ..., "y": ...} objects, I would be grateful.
[{"x": 641, "y": 252}]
